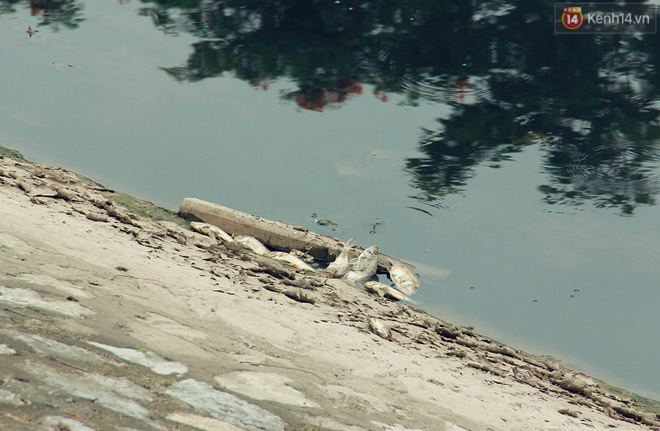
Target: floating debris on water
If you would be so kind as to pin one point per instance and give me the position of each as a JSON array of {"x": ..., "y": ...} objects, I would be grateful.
[
  {"x": 30, "y": 31},
  {"x": 325, "y": 222},
  {"x": 374, "y": 226}
]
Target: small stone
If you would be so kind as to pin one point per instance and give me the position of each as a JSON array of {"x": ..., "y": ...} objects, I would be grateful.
[
  {"x": 65, "y": 194},
  {"x": 96, "y": 216},
  {"x": 568, "y": 412},
  {"x": 6, "y": 350},
  {"x": 7, "y": 397},
  {"x": 26, "y": 187}
]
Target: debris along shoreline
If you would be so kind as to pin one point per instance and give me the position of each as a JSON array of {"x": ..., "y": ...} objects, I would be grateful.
[
  {"x": 275, "y": 234},
  {"x": 114, "y": 314},
  {"x": 293, "y": 242}
]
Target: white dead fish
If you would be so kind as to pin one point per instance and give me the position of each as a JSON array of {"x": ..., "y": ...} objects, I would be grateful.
[
  {"x": 404, "y": 279},
  {"x": 289, "y": 258},
  {"x": 367, "y": 260},
  {"x": 301, "y": 254},
  {"x": 383, "y": 289},
  {"x": 364, "y": 266},
  {"x": 339, "y": 267},
  {"x": 212, "y": 231},
  {"x": 380, "y": 329},
  {"x": 253, "y": 244}
]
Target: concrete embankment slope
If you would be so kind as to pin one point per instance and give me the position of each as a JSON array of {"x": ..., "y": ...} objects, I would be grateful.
[{"x": 113, "y": 320}]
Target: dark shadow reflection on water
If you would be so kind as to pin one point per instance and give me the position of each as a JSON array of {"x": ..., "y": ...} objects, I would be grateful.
[{"x": 589, "y": 101}]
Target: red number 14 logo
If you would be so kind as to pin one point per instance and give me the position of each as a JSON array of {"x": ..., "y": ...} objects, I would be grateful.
[{"x": 572, "y": 17}]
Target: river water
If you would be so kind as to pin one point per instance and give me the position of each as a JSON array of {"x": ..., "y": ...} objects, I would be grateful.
[{"x": 517, "y": 169}]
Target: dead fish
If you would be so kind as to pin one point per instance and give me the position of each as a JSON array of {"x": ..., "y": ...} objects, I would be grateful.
[
  {"x": 339, "y": 267},
  {"x": 404, "y": 279},
  {"x": 289, "y": 258},
  {"x": 383, "y": 289},
  {"x": 367, "y": 260},
  {"x": 380, "y": 329},
  {"x": 364, "y": 266},
  {"x": 301, "y": 254},
  {"x": 253, "y": 244},
  {"x": 212, "y": 231}
]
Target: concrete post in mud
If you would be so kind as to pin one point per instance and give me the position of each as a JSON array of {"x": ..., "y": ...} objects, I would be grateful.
[{"x": 274, "y": 234}]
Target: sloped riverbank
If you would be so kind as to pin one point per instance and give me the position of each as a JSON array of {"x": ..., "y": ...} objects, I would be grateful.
[{"x": 115, "y": 315}]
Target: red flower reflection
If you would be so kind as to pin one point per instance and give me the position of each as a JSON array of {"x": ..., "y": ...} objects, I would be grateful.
[{"x": 331, "y": 95}]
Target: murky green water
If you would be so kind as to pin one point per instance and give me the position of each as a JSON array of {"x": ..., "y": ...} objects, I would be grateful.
[{"x": 516, "y": 168}]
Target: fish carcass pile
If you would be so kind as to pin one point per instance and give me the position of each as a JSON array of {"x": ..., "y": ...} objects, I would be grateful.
[{"x": 358, "y": 270}]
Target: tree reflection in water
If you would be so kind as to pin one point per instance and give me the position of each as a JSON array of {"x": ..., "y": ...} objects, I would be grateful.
[
  {"x": 53, "y": 13},
  {"x": 588, "y": 101}
]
